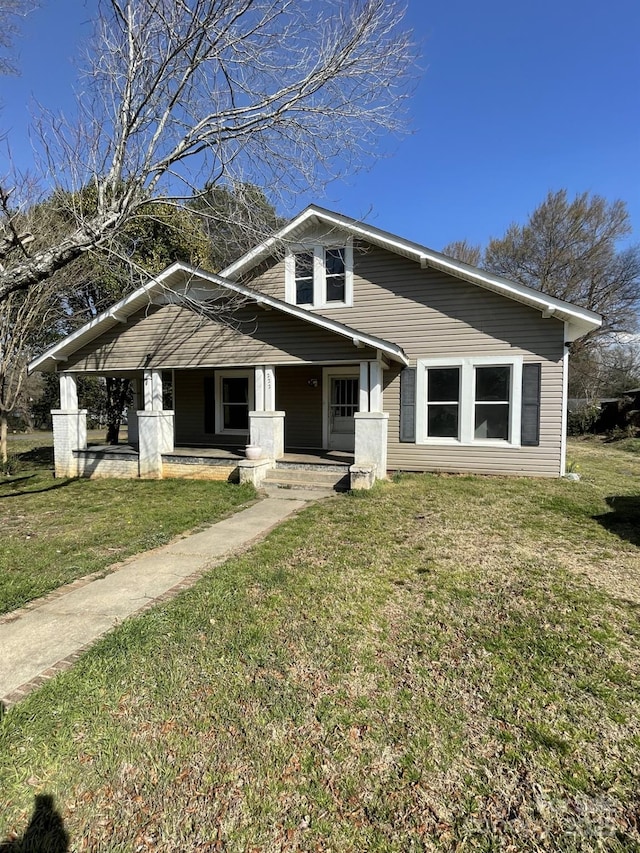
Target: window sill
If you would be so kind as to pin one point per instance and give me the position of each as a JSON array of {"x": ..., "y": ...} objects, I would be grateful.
[
  {"x": 480, "y": 442},
  {"x": 311, "y": 307}
]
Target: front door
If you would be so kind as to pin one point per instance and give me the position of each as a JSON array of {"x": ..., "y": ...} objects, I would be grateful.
[{"x": 343, "y": 404}]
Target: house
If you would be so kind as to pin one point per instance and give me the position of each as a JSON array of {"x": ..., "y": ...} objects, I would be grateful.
[{"x": 332, "y": 341}]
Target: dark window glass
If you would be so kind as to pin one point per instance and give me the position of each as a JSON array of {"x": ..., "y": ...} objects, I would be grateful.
[
  {"x": 304, "y": 278},
  {"x": 335, "y": 275},
  {"x": 442, "y": 421},
  {"x": 235, "y": 389},
  {"x": 235, "y": 403},
  {"x": 236, "y": 417},
  {"x": 444, "y": 384},
  {"x": 492, "y": 420},
  {"x": 492, "y": 384}
]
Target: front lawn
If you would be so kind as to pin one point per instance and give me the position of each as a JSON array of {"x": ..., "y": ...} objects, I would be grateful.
[
  {"x": 54, "y": 531},
  {"x": 444, "y": 663}
]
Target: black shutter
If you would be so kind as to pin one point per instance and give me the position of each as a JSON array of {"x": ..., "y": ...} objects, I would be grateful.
[
  {"x": 209, "y": 404},
  {"x": 408, "y": 404},
  {"x": 530, "y": 405}
]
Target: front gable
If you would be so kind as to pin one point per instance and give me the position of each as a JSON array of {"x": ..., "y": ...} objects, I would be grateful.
[
  {"x": 172, "y": 336},
  {"x": 280, "y": 266}
]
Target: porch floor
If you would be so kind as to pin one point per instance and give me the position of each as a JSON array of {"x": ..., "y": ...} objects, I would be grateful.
[{"x": 301, "y": 457}]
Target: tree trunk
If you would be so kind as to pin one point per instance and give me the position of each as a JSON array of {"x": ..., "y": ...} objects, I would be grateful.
[
  {"x": 117, "y": 390},
  {"x": 4, "y": 428}
]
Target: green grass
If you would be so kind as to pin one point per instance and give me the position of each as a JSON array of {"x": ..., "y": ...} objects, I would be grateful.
[
  {"x": 55, "y": 530},
  {"x": 444, "y": 663}
]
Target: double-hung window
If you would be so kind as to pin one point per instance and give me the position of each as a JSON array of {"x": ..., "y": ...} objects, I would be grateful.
[
  {"x": 492, "y": 401},
  {"x": 469, "y": 400},
  {"x": 320, "y": 276},
  {"x": 443, "y": 402},
  {"x": 233, "y": 400}
]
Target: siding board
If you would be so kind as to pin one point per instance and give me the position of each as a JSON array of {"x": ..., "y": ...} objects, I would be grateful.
[{"x": 174, "y": 337}]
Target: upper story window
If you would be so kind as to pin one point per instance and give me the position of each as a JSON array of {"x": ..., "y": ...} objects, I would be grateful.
[{"x": 321, "y": 277}]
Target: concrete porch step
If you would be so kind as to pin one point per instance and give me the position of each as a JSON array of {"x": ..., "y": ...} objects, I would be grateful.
[{"x": 307, "y": 478}]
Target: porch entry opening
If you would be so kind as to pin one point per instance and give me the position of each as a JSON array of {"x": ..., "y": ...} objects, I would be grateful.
[{"x": 343, "y": 404}]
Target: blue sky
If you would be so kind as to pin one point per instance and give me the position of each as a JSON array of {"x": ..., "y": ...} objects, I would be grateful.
[{"x": 515, "y": 99}]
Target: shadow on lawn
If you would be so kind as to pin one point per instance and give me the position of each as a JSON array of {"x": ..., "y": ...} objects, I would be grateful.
[
  {"x": 45, "y": 832},
  {"x": 38, "y": 456},
  {"x": 59, "y": 484},
  {"x": 624, "y": 520}
]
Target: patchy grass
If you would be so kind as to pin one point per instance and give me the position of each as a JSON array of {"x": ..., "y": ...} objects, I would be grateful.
[
  {"x": 53, "y": 531},
  {"x": 445, "y": 663}
]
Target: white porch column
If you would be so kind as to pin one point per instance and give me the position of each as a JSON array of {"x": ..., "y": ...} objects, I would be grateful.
[
  {"x": 370, "y": 455},
  {"x": 266, "y": 426},
  {"x": 363, "y": 402},
  {"x": 152, "y": 391},
  {"x": 375, "y": 386},
  {"x": 269, "y": 388},
  {"x": 259, "y": 389},
  {"x": 68, "y": 392},
  {"x": 155, "y": 431},
  {"x": 370, "y": 399},
  {"x": 266, "y": 429},
  {"x": 69, "y": 428}
]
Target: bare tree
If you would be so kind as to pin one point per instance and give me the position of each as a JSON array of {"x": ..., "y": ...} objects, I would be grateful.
[
  {"x": 464, "y": 251},
  {"x": 25, "y": 323},
  {"x": 282, "y": 93},
  {"x": 10, "y": 12},
  {"x": 569, "y": 249}
]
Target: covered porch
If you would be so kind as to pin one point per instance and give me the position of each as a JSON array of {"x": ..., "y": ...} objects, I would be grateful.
[{"x": 325, "y": 417}]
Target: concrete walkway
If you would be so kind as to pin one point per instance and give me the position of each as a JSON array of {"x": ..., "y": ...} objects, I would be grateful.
[{"x": 49, "y": 635}]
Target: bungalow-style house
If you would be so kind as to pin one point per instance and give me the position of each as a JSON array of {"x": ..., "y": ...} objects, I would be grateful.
[{"x": 332, "y": 343}]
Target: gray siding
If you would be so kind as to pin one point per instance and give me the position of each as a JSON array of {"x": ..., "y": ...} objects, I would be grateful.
[
  {"x": 173, "y": 337},
  {"x": 432, "y": 315},
  {"x": 302, "y": 404},
  {"x": 189, "y": 405},
  {"x": 294, "y": 395}
]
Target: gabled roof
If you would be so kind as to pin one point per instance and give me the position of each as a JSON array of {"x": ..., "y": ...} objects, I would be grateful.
[
  {"x": 579, "y": 320},
  {"x": 168, "y": 287}
]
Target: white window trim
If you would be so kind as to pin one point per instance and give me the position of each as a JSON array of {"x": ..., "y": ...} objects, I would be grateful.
[
  {"x": 319, "y": 273},
  {"x": 467, "y": 400},
  {"x": 236, "y": 374}
]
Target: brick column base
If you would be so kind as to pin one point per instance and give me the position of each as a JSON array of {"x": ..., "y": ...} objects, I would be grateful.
[{"x": 69, "y": 434}]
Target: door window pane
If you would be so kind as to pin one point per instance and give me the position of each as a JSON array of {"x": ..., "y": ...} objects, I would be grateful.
[{"x": 344, "y": 397}]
